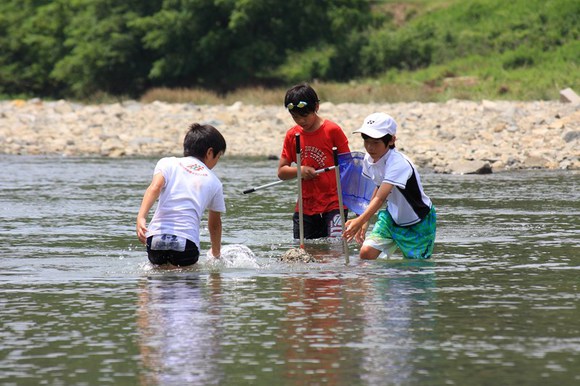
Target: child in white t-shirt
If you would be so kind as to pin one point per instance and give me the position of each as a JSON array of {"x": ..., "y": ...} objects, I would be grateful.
[
  {"x": 185, "y": 187},
  {"x": 409, "y": 220}
]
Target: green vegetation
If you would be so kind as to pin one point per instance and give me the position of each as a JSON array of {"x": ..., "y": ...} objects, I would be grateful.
[{"x": 219, "y": 51}]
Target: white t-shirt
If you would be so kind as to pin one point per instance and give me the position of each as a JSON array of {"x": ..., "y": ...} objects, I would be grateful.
[
  {"x": 407, "y": 203},
  {"x": 190, "y": 188}
]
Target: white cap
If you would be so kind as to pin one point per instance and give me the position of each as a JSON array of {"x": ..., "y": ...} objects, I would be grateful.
[{"x": 377, "y": 125}]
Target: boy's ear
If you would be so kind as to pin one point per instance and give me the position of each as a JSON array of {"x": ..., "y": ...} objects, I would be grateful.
[{"x": 209, "y": 153}]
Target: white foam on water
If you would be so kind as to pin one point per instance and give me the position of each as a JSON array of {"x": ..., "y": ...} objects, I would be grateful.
[{"x": 232, "y": 256}]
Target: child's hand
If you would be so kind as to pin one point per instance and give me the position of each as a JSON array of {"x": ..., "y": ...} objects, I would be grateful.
[
  {"x": 350, "y": 229},
  {"x": 142, "y": 230},
  {"x": 308, "y": 173},
  {"x": 355, "y": 230},
  {"x": 361, "y": 234}
]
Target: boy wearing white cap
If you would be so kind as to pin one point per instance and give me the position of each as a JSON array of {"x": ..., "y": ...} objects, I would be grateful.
[{"x": 409, "y": 220}]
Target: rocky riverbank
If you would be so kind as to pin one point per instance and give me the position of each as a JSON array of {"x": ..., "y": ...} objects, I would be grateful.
[{"x": 452, "y": 137}]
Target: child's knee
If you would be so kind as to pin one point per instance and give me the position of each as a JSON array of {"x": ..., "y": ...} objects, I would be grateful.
[{"x": 369, "y": 253}]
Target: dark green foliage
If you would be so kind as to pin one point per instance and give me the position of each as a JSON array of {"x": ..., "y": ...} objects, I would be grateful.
[
  {"x": 227, "y": 44},
  {"x": 123, "y": 48},
  {"x": 31, "y": 37},
  {"x": 78, "y": 48},
  {"x": 103, "y": 51}
]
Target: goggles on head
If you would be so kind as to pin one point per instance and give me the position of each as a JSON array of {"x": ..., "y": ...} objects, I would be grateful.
[{"x": 300, "y": 105}]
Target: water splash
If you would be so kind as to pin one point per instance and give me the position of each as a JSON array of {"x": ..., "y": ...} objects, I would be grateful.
[{"x": 232, "y": 256}]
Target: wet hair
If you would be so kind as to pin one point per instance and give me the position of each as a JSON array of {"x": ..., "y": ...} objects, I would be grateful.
[
  {"x": 386, "y": 139},
  {"x": 200, "y": 138},
  {"x": 302, "y": 93}
]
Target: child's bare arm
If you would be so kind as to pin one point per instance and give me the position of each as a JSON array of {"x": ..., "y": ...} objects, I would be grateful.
[
  {"x": 285, "y": 169},
  {"x": 214, "y": 224},
  {"x": 151, "y": 195}
]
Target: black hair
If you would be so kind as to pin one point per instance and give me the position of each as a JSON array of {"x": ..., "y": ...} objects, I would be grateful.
[
  {"x": 302, "y": 92},
  {"x": 200, "y": 138},
  {"x": 386, "y": 139}
]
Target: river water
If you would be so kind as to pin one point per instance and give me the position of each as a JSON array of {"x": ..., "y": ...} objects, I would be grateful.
[{"x": 80, "y": 305}]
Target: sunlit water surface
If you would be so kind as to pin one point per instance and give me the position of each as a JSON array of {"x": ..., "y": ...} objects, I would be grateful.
[{"x": 497, "y": 304}]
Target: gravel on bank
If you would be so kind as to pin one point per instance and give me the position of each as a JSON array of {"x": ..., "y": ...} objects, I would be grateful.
[{"x": 452, "y": 137}]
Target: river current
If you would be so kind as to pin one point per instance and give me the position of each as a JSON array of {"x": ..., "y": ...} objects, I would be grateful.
[{"x": 80, "y": 305}]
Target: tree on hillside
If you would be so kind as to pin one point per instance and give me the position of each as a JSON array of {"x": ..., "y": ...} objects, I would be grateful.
[
  {"x": 223, "y": 44},
  {"x": 104, "y": 52},
  {"x": 31, "y": 37},
  {"x": 81, "y": 47}
]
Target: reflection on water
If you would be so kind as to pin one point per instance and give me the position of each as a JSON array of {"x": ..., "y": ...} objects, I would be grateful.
[
  {"x": 397, "y": 318},
  {"x": 79, "y": 303},
  {"x": 315, "y": 329},
  {"x": 178, "y": 341},
  {"x": 308, "y": 328}
]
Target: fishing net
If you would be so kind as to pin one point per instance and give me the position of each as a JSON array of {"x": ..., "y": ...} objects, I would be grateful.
[
  {"x": 297, "y": 255},
  {"x": 356, "y": 189}
]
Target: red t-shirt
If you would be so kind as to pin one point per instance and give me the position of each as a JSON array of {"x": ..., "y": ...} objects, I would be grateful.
[{"x": 319, "y": 194}]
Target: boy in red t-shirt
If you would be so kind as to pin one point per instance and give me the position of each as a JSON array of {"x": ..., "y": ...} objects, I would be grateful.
[{"x": 317, "y": 138}]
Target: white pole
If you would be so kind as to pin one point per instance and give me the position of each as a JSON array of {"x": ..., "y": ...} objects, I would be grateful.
[
  {"x": 251, "y": 190},
  {"x": 299, "y": 177}
]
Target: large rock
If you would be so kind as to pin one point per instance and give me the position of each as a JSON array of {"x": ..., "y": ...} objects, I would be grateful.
[
  {"x": 569, "y": 96},
  {"x": 470, "y": 167}
]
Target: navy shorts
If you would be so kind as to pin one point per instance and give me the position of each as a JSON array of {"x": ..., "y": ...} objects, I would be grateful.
[
  {"x": 188, "y": 257},
  {"x": 316, "y": 226}
]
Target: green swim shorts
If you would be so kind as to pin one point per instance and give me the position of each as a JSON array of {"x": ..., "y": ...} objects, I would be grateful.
[{"x": 415, "y": 241}]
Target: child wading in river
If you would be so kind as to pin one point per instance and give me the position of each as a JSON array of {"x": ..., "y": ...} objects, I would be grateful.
[
  {"x": 317, "y": 138},
  {"x": 185, "y": 187},
  {"x": 409, "y": 220}
]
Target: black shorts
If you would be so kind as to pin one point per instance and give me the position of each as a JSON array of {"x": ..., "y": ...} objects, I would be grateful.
[
  {"x": 316, "y": 226},
  {"x": 188, "y": 257}
]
